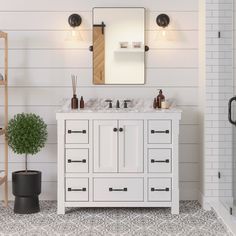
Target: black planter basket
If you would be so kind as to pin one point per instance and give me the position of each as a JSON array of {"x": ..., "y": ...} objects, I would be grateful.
[{"x": 26, "y": 186}]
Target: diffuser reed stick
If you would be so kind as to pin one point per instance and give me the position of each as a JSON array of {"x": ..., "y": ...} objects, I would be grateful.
[
  {"x": 74, "y": 83},
  {"x": 74, "y": 99}
]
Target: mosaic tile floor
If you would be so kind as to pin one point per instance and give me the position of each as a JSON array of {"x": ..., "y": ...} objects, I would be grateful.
[{"x": 192, "y": 221}]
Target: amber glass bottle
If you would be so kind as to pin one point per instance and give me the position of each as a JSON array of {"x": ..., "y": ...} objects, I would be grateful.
[{"x": 74, "y": 102}]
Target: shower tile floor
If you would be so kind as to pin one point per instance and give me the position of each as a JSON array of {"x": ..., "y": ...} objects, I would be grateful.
[{"x": 192, "y": 221}]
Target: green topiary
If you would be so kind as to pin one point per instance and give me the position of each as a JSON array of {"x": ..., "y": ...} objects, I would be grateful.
[{"x": 26, "y": 134}]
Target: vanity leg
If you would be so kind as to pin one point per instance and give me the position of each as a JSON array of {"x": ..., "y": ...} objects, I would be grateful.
[
  {"x": 175, "y": 209},
  {"x": 60, "y": 209},
  {"x": 60, "y": 167}
]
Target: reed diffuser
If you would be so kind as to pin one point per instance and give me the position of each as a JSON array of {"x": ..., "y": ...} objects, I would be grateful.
[{"x": 74, "y": 99}]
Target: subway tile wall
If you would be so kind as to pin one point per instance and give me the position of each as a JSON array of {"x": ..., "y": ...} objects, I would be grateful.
[{"x": 219, "y": 89}]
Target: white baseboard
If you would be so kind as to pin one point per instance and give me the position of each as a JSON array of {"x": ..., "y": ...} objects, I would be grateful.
[
  {"x": 223, "y": 213},
  {"x": 206, "y": 201}
]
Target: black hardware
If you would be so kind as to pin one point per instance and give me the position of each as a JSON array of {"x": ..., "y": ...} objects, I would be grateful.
[
  {"x": 110, "y": 102},
  {"x": 160, "y": 189},
  {"x": 121, "y": 129},
  {"x": 219, "y": 175},
  {"x": 160, "y": 131},
  {"x": 231, "y": 211},
  {"x": 118, "y": 189},
  {"x": 91, "y": 48},
  {"x": 117, "y": 104},
  {"x": 79, "y": 161},
  {"x": 230, "y": 110},
  {"x": 101, "y": 25},
  {"x": 76, "y": 131},
  {"x": 77, "y": 189},
  {"x": 115, "y": 129},
  {"x": 219, "y": 34},
  {"x": 160, "y": 161},
  {"x": 163, "y": 20},
  {"x": 146, "y": 48},
  {"x": 74, "y": 20},
  {"x": 126, "y": 103}
]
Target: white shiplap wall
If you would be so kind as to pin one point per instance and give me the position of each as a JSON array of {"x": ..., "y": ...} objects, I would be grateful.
[{"x": 41, "y": 62}]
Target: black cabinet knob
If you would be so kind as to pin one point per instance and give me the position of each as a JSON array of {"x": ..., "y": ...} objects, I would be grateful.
[
  {"x": 121, "y": 129},
  {"x": 115, "y": 129}
]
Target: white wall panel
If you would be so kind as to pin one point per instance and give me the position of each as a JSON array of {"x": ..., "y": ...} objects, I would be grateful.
[
  {"x": 173, "y": 77},
  {"x": 172, "y": 58},
  {"x": 49, "y": 58},
  {"x": 177, "y": 38},
  {"x": 41, "y": 62},
  {"x": 75, "y": 5},
  {"x": 58, "y": 20},
  {"x": 83, "y": 58},
  {"x": 178, "y": 20},
  {"x": 189, "y": 134},
  {"x": 42, "y": 20}
]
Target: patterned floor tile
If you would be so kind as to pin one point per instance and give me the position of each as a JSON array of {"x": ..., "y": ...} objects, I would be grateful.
[{"x": 192, "y": 221}]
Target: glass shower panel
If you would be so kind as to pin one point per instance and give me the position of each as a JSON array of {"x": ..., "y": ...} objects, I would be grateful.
[{"x": 227, "y": 109}]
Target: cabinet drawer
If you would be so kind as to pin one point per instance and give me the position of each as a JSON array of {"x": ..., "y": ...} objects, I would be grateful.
[
  {"x": 77, "y": 160},
  {"x": 159, "y": 189},
  {"x": 159, "y": 131},
  {"x": 118, "y": 189},
  {"x": 77, "y": 189},
  {"x": 159, "y": 160},
  {"x": 77, "y": 131}
]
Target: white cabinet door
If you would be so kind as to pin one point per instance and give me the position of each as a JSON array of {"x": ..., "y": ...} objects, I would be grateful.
[
  {"x": 131, "y": 146},
  {"x": 105, "y": 145}
]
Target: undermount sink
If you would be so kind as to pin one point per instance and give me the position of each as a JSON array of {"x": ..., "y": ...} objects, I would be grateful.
[{"x": 111, "y": 104}]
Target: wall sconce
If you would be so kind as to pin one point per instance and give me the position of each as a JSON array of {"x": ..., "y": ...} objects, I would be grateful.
[
  {"x": 74, "y": 21},
  {"x": 163, "y": 21}
]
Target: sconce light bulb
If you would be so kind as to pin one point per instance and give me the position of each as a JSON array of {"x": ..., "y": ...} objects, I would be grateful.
[
  {"x": 73, "y": 33},
  {"x": 164, "y": 33}
]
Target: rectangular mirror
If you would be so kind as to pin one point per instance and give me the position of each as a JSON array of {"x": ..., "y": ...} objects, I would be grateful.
[{"x": 118, "y": 45}]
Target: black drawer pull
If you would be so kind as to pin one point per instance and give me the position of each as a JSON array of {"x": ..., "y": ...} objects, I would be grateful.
[
  {"x": 160, "y": 131},
  {"x": 121, "y": 129},
  {"x": 118, "y": 189},
  {"x": 79, "y": 161},
  {"x": 76, "y": 131},
  {"x": 115, "y": 129},
  {"x": 77, "y": 189},
  {"x": 160, "y": 189},
  {"x": 160, "y": 161}
]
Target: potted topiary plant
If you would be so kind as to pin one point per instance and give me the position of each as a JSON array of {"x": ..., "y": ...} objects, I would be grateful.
[{"x": 26, "y": 134}]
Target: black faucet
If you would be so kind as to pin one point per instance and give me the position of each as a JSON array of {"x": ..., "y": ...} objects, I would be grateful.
[
  {"x": 117, "y": 104},
  {"x": 126, "y": 103},
  {"x": 110, "y": 102}
]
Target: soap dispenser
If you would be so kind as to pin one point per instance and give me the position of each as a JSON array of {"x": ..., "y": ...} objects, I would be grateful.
[
  {"x": 81, "y": 102},
  {"x": 160, "y": 98}
]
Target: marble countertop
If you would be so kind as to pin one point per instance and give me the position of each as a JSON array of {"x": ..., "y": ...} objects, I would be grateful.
[{"x": 99, "y": 105}]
